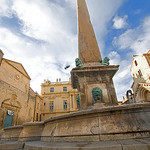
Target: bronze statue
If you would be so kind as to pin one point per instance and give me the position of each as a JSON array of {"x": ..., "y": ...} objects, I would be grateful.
[
  {"x": 105, "y": 61},
  {"x": 97, "y": 95},
  {"x": 78, "y": 62}
]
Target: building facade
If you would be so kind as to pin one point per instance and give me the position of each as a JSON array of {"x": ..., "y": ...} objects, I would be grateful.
[
  {"x": 20, "y": 104},
  {"x": 17, "y": 99},
  {"x": 58, "y": 98},
  {"x": 140, "y": 70},
  {"x": 38, "y": 108}
]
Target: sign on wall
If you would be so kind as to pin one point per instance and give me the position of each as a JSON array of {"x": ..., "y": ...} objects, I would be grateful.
[{"x": 10, "y": 112}]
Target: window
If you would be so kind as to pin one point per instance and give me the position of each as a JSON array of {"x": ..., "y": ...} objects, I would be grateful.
[
  {"x": 44, "y": 104},
  {"x": 136, "y": 63},
  {"x": 51, "y": 105},
  {"x": 40, "y": 117},
  {"x": 72, "y": 100},
  {"x": 65, "y": 89},
  {"x": 65, "y": 104},
  {"x": 78, "y": 101},
  {"x": 51, "y": 89},
  {"x": 140, "y": 73},
  {"x": 37, "y": 116}
]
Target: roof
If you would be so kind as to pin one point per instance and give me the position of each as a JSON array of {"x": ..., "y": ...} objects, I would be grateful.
[
  {"x": 147, "y": 56},
  {"x": 148, "y": 52},
  {"x": 18, "y": 66}
]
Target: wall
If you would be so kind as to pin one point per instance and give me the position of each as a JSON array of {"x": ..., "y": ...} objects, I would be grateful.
[
  {"x": 58, "y": 97},
  {"x": 12, "y": 76},
  {"x": 22, "y": 104},
  {"x": 140, "y": 64},
  {"x": 107, "y": 123},
  {"x": 38, "y": 108},
  {"x": 15, "y": 94}
]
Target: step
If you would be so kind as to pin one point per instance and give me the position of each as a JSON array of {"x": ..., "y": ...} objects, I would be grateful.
[{"x": 131, "y": 144}]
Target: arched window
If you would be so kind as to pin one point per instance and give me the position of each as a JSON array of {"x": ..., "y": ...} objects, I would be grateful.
[
  {"x": 136, "y": 63},
  {"x": 140, "y": 73}
]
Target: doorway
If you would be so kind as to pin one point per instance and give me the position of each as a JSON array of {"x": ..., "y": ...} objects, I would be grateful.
[{"x": 8, "y": 118}]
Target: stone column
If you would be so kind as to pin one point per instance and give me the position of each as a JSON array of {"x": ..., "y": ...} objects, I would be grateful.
[{"x": 88, "y": 46}]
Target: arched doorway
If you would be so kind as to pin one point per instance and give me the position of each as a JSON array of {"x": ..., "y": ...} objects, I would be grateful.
[
  {"x": 9, "y": 113},
  {"x": 8, "y": 118}
]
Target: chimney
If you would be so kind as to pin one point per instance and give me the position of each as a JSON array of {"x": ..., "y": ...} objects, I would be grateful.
[{"x": 1, "y": 56}]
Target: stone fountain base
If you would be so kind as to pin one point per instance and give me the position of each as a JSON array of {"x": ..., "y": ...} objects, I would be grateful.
[{"x": 106, "y": 123}]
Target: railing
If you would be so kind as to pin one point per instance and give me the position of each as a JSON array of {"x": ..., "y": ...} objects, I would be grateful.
[{"x": 53, "y": 83}]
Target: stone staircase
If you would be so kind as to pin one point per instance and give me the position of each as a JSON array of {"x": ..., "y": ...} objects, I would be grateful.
[{"x": 131, "y": 144}]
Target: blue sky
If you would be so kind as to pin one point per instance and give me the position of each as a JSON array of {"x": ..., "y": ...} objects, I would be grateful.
[{"x": 42, "y": 35}]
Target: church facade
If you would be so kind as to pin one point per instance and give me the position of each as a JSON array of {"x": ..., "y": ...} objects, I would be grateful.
[
  {"x": 140, "y": 70},
  {"x": 17, "y": 99}
]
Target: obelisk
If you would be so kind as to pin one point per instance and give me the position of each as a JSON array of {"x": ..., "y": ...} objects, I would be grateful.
[
  {"x": 87, "y": 43},
  {"x": 90, "y": 77}
]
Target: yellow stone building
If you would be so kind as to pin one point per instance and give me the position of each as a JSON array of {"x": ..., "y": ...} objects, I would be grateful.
[
  {"x": 58, "y": 98},
  {"x": 17, "y": 99},
  {"x": 38, "y": 108}
]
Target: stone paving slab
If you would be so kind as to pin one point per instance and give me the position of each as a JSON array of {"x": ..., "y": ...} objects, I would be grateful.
[{"x": 131, "y": 144}]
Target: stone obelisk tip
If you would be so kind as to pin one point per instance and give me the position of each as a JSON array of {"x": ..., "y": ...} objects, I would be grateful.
[{"x": 88, "y": 46}]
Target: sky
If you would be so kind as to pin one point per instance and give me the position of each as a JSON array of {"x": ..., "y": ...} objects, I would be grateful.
[{"x": 42, "y": 35}]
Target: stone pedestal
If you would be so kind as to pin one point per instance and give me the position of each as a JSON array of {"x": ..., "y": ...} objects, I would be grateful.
[{"x": 94, "y": 75}]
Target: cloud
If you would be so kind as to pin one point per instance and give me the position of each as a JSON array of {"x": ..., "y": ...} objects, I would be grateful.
[
  {"x": 101, "y": 12},
  {"x": 37, "y": 62},
  {"x": 122, "y": 79},
  {"x": 5, "y": 8},
  {"x": 114, "y": 57},
  {"x": 137, "y": 39},
  {"x": 46, "y": 40},
  {"x": 119, "y": 22},
  {"x": 72, "y": 3},
  {"x": 50, "y": 25},
  {"x": 131, "y": 42},
  {"x": 42, "y": 24}
]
